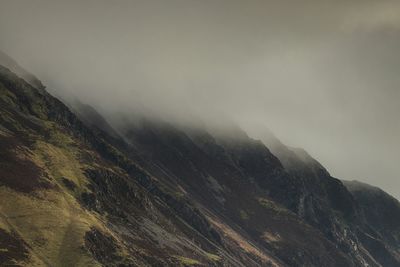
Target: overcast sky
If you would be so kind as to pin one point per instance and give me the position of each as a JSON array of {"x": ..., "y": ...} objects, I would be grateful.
[{"x": 322, "y": 75}]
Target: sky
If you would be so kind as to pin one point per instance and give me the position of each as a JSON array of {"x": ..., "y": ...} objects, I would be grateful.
[{"x": 322, "y": 75}]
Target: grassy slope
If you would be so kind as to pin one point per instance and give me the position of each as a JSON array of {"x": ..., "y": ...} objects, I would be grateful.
[
  {"x": 52, "y": 222},
  {"x": 42, "y": 210}
]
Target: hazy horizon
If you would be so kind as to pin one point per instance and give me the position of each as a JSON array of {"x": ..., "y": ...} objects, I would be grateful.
[{"x": 321, "y": 75}]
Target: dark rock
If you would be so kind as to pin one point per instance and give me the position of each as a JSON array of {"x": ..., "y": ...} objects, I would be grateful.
[
  {"x": 68, "y": 183},
  {"x": 12, "y": 248}
]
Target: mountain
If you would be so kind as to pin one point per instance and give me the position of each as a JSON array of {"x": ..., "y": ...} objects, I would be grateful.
[
  {"x": 77, "y": 192},
  {"x": 12, "y": 65},
  {"x": 92, "y": 118},
  {"x": 382, "y": 213},
  {"x": 370, "y": 214}
]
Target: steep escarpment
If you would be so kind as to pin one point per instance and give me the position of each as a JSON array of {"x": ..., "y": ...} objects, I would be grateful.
[
  {"x": 241, "y": 179},
  {"x": 76, "y": 192},
  {"x": 381, "y": 213},
  {"x": 347, "y": 208},
  {"x": 225, "y": 170},
  {"x": 63, "y": 186}
]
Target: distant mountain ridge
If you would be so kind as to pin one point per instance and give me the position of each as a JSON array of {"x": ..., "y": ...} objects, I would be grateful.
[{"x": 76, "y": 192}]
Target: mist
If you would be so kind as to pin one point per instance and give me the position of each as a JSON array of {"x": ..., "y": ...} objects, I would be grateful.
[{"x": 321, "y": 75}]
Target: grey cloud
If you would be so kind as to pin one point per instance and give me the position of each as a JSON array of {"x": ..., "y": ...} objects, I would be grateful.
[{"x": 322, "y": 75}]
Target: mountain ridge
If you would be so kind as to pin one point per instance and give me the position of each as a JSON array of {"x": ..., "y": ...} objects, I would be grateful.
[{"x": 164, "y": 196}]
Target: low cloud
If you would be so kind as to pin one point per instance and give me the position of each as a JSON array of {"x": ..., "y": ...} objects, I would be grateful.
[{"x": 322, "y": 75}]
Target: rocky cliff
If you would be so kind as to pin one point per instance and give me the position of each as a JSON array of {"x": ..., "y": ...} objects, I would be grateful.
[{"x": 75, "y": 192}]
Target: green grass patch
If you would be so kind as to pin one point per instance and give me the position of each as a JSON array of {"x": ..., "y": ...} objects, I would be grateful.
[
  {"x": 179, "y": 194},
  {"x": 268, "y": 204},
  {"x": 187, "y": 261},
  {"x": 53, "y": 224},
  {"x": 213, "y": 257},
  {"x": 60, "y": 162},
  {"x": 243, "y": 215}
]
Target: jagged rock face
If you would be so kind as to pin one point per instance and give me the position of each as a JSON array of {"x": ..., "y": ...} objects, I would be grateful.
[
  {"x": 232, "y": 175},
  {"x": 71, "y": 194},
  {"x": 224, "y": 185},
  {"x": 353, "y": 211},
  {"x": 381, "y": 211}
]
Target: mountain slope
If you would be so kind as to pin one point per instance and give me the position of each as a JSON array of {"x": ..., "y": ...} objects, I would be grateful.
[
  {"x": 12, "y": 65},
  {"x": 363, "y": 210},
  {"x": 75, "y": 194},
  {"x": 71, "y": 199},
  {"x": 233, "y": 179},
  {"x": 382, "y": 215}
]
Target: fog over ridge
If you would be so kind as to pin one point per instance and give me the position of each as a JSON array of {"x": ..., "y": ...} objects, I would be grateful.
[{"x": 322, "y": 75}]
